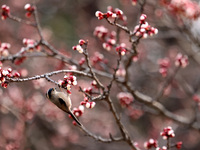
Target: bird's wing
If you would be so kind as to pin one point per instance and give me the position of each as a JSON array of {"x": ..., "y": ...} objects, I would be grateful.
[{"x": 66, "y": 99}]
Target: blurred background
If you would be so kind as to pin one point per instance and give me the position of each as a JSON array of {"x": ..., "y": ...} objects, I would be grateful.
[{"x": 29, "y": 121}]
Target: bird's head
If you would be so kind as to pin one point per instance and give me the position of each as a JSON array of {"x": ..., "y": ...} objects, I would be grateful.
[{"x": 50, "y": 92}]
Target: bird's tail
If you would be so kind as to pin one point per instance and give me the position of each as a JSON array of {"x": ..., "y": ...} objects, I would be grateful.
[{"x": 75, "y": 119}]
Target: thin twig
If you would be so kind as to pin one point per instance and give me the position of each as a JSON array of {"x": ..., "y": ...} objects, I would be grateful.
[
  {"x": 99, "y": 138},
  {"x": 148, "y": 101},
  {"x": 19, "y": 54},
  {"x": 142, "y": 4},
  {"x": 14, "y": 18},
  {"x": 128, "y": 63},
  {"x": 114, "y": 74},
  {"x": 37, "y": 22},
  {"x": 123, "y": 130},
  {"x": 47, "y": 75},
  {"x": 119, "y": 26},
  {"x": 91, "y": 70}
]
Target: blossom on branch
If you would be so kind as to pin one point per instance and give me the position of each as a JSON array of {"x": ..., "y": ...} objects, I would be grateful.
[
  {"x": 79, "y": 47},
  {"x": 68, "y": 82},
  {"x": 111, "y": 14},
  {"x": 181, "y": 60},
  {"x": 121, "y": 49},
  {"x": 144, "y": 29},
  {"x": 30, "y": 9},
  {"x": 183, "y": 8},
  {"x": 4, "y": 49},
  {"x": 5, "y": 12},
  {"x": 98, "y": 58},
  {"x": 100, "y": 32},
  {"x": 151, "y": 143},
  {"x": 164, "y": 65},
  {"x": 125, "y": 98},
  {"x": 77, "y": 112},
  {"x": 167, "y": 133},
  {"x": 7, "y": 73},
  {"x": 30, "y": 44}
]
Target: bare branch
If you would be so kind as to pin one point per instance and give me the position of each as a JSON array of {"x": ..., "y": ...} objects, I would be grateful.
[
  {"x": 47, "y": 75},
  {"x": 123, "y": 130},
  {"x": 99, "y": 138},
  {"x": 91, "y": 70},
  {"x": 114, "y": 74},
  {"x": 148, "y": 101},
  {"x": 37, "y": 22},
  {"x": 14, "y": 18}
]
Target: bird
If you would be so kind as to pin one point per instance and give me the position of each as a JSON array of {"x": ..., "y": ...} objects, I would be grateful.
[{"x": 62, "y": 100}]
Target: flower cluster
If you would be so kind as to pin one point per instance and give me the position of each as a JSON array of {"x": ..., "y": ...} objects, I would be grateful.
[
  {"x": 87, "y": 104},
  {"x": 183, "y": 8},
  {"x": 101, "y": 32},
  {"x": 7, "y": 73},
  {"x": 111, "y": 14},
  {"x": 181, "y": 60},
  {"x": 151, "y": 143},
  {"x": 108, "y": 38},
  {"x": 88, "y": 90},
  {"x": 121, "y": 49},
  {"x": 30, "y": 9},
  {"x": 94, "y": 84},
  {"x": 98, "y": 58},
  {"x": 77, "y": 112},
  {"x": 164, "y": 65},
  {"x": 5, "y": 12},
  {"x": 79, "y": 47},
  {"x": 125, "y": 99},
  {"x": 167, "y": 133},
  {"x": 30, "y": 44},
  {"x": 109, "y": 44},
  {"x": 68, "y": 82},
  {"x": 4, "y": 49},
  {"x": 144, "y": 29}
]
